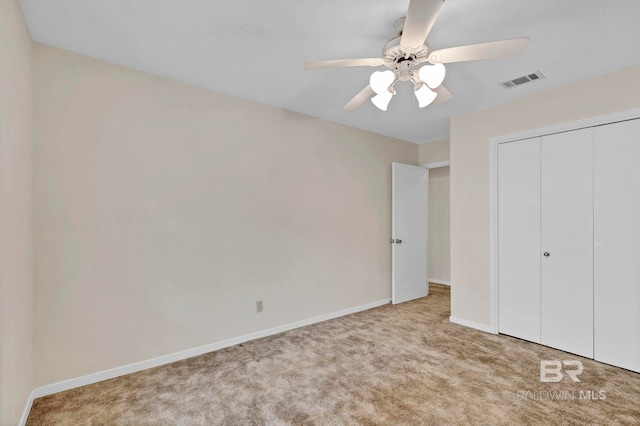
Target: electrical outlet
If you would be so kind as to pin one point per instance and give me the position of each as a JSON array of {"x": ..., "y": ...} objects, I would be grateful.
[{"x": 259, "y": 306}]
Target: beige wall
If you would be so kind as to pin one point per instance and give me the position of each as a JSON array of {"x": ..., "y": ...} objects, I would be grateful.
[
  {"x": 434, "y": 152},
  {"x": 164, "y": 211},
  {"x": 439, "y": 255},
  {"x": 16, "y": 286},
  {"x": 470, "y": 136}
]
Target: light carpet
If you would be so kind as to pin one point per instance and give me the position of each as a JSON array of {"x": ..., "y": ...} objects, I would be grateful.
[{"x": 394, "y": 365}]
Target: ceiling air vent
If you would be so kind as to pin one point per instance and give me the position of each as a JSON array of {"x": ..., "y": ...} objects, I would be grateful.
[{"x": 522, "y": 80}]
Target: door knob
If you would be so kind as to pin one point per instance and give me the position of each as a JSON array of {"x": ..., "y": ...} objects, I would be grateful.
[
  {"x": 398, "y": 241},
  {"x": 546, "y": 254}
]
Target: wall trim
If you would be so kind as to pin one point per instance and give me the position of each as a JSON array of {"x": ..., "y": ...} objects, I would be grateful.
[
  {"x": 440, "y": 282},
  {"x": 472, "y": 324},
  {"x": 27, "y": 409},
  {"x": 178, "y": 356},
  {"x": 595, "y": 121},
  {"x": 599, "y": 120},
  {"x": 436, "y": 165}
]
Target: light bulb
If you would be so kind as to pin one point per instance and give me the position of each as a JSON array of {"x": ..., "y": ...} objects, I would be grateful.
[
  {"x": 381, "y": 80},
  {"x": 425, "y": 96},
  {"x": 381, "y": 100},
  {"x": 432, "y": 75}
]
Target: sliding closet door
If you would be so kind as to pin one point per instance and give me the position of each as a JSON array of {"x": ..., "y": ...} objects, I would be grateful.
[
  {"x": 519, "y": 239},
  {"x": 567, "y": 241},
  {"x": 617, "y": 244}
]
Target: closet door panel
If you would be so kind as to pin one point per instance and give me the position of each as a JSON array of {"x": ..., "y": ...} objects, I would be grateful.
[
  {"x": 617, "y": 244},
  {"x": 567, "y": 237},
  {"x": 519, "y": 239}
]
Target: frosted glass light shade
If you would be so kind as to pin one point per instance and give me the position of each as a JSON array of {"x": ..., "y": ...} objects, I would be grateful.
[
  {"x": 382, "y": 100},
  {"x": 432, "y": 75},
  {"x": 381, "y": 80},
  {"x": 425, "y": 96}
]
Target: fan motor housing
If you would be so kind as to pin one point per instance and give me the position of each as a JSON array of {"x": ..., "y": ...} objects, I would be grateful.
[{"x": 403, "y": 63}]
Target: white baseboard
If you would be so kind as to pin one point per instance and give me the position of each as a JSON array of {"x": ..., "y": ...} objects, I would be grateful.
[
  {"x": 472, "y": 324},
  {"x": 440, "y": 282},
  {"x": 178, "y": 356},
  {"x": 27, "y": 409}
]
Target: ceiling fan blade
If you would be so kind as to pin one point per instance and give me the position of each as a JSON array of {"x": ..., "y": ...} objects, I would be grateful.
[
  {"x": 443, "y": 95},
  {"x": 337, "y": 63},
  {"x": 474, "y": 52},
  {"x": 359, "y": 99},
  {"x": 420, "y": 18}
]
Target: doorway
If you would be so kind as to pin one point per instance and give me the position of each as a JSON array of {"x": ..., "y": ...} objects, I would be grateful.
[{"x": 439, "y": 254}]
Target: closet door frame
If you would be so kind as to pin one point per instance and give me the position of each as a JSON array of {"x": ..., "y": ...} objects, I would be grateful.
[{"x": 493, "y": 189}]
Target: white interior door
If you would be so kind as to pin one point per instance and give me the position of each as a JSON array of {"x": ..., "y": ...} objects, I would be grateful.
[
  {"x": 410, "y": 186},
  {"x": 519, "y": 239},
  {"x": 617, "y": 244},
  {"x": 567, "y": 241}
]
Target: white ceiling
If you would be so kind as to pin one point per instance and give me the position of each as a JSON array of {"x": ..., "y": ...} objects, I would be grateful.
[{"x": 256, "y": 49}]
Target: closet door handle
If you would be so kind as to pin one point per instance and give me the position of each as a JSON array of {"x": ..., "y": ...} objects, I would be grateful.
[{"x": 546, "y": 254}]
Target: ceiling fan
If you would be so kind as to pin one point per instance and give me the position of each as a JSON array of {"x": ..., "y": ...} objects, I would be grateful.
[{"x": 408, "y": 58}]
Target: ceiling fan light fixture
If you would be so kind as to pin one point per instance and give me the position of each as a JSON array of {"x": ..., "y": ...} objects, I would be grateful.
[
  {"x": 425, "y": 96},
  {"x": 432, "y": 75},
  {"x": 406, "y": 57},
  {"x": 381, "y": 100},
  {"x": 381, "y": 80}
]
